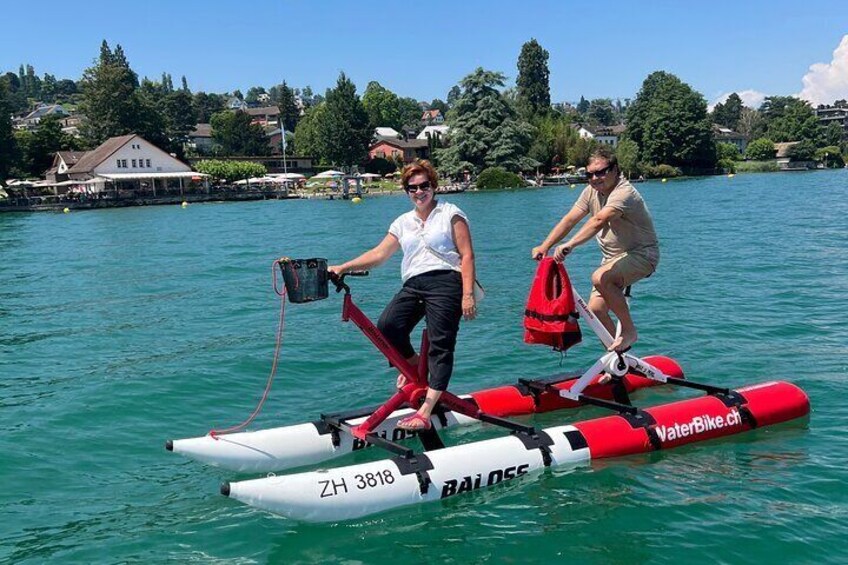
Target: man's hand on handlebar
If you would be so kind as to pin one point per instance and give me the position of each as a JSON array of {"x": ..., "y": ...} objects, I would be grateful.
[
  {"x": 538, "y": 252},
  {"x": 561, "y": 251}
]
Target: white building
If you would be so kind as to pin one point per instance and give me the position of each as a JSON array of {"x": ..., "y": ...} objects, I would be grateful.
[
  {"x": 133, "y": 162},
  {"x": 434, "y": 132}
]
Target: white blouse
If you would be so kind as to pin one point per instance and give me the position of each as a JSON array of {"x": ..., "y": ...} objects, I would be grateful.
[{"x": 412, "y": 232}]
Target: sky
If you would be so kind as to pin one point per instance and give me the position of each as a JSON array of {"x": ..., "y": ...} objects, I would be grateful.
[{"x": 605, "y": 49}]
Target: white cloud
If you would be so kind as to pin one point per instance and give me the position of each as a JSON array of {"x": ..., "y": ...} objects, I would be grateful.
[
  {"x": 750, "y": 98},
  {"x": 827, "y": 82}
]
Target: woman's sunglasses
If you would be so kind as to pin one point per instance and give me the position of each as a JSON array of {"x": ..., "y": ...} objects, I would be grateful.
[{"x": 425, "y": 186}]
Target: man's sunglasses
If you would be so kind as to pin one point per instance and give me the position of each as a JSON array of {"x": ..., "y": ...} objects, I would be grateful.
[
  {"x": 600, "y": 173},
  {"x": 425, "y": 186}
]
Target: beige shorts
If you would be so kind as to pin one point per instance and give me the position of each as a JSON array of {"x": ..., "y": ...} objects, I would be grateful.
[{"x": 629, "y": 268}]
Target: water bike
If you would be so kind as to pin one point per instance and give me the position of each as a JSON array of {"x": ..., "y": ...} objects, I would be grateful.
[{"x": 440, "y": 472}]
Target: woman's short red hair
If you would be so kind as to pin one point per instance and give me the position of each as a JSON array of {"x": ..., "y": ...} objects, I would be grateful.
[{"x": 420, "y": 167}]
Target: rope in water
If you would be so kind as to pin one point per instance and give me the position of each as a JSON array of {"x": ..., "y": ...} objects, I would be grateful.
[{"x": 277, "y": 347}]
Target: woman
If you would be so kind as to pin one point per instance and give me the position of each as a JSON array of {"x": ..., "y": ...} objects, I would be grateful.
[{"x": 438, "y": 281}]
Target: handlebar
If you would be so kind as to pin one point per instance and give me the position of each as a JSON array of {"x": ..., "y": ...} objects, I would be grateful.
[{"x": 338, "y": 280}]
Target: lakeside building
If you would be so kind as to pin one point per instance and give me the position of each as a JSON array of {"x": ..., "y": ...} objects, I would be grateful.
[
  {"x": 200, "y": 139},
  {"x": 432, "y": 117},
  {"x": 63, "y": 161},
  {"x": 433, "y": 132},
  {"x": 264, "y": 115},
  {"x": 391, "y": 148},
  {"x": 836, "y": 114},
  {"x": 386, "y": 132},
  {"x": 130, "y": 162},
  {"x": 33, "y": 119},
  {"x": 607, "y": 135},
  {"x": 726, "y": 135}
]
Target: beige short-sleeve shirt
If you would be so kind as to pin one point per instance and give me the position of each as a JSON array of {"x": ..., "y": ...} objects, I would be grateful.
[{"x": 632, "y": 232}]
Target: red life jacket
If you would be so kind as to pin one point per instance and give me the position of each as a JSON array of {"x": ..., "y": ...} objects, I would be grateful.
[{"x": 550, "y": 317}]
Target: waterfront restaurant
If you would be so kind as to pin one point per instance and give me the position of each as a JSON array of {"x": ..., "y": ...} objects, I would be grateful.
[{"x": 129, "y": 165}]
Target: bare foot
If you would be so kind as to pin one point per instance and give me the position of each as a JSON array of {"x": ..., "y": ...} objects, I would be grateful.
[
  {"x": 605, "y": 378},
  {"x": 623, "y": 342},
  {"x": 401, "y": 381}
]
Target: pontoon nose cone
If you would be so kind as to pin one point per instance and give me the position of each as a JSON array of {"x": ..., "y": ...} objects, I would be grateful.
[
  {"x": 225, "y": 488},
  {"x": 169, "y": 444}
]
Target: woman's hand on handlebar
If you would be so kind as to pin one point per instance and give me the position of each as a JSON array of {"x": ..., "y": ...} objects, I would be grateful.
[{"x": 336, "y": 270}]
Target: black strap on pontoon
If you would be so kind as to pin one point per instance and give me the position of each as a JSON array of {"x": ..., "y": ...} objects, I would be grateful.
[
  {"x": 576, "y": 439},
  {"x": 430, "y": 439},
  {"x": 732, "y": 399},
  {"x": 418, "y": 464},
  {"x": 538, "y": 440},
  {"x": 636, "y": 417}
]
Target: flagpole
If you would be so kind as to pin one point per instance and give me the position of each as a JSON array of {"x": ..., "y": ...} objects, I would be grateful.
[{"x": 285, "y": 167}]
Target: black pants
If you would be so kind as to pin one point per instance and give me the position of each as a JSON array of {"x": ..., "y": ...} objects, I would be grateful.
[{"x": 437, "y": 297}]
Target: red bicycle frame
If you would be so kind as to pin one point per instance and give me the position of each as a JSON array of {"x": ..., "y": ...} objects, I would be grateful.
[{"x": 412, "y": 393}]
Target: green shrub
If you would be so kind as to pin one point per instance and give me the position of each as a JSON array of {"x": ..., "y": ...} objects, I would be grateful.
[
  {"x": 760, "y": 150},
  {"x": 726, "y": 165},
  {"x": 230, "y": 170},
  {"x": 728, "y": 151},
  {"x": 498, "y": 177},
  {"x": 830, "y": 157},
  {"x": 757, "y": 166},
  {"x": 661, "y": 171}
]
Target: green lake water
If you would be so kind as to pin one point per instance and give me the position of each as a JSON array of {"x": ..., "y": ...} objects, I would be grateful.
[{"x": 122, "y": 328}]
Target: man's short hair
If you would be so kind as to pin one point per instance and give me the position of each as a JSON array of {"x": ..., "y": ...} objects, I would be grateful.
[{"x": 606, "y": 153}]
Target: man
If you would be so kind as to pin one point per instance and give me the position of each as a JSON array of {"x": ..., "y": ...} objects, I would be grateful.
[{"x": 625, "y": 232}]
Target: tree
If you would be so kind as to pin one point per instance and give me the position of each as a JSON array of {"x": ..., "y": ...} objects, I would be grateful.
[
  {"x": 307, "y": 140},
  {"x": 484, "y": 129},
  {"x": 802, "y": 151},
  {"x": 583, "y": 106},
  {"x": 830, "y": 157},
  {"x": 36, "y": 149},
  {"x": 110, "y": 104},
  {"x": 552, "y": 138},
  {"x": 831, "y": 134},
  {"x": 669, "y": 122},
  {"x": 729, "y": 113},
  {"x": 761, "y": 149},
  {"x": 7, "y": 140},
  {"x": 179, "y": 117},
  {"x": 345, "y": 132},
  {"x": 439, "y": 105},
  {"x": 750, "y": 123},
  {"x": 453, "y": 95},
  {"x": 253, "y": 94},
  {"x": 627, "y": 153},
  {"x": 602, "y": 112},
  {"x": 207, "y": 104},
  {"x": 382, "y": 106},
  {"x": 725, "y": 151},
  {"x": 410, "y": 113},
  {"x": 790, "y": 119},
  {"x": 236, "y": 135},
  {"x": 289, "y": 112},
  {"x": 533, "y": 82},
  {"x": 579, "y": 152}
]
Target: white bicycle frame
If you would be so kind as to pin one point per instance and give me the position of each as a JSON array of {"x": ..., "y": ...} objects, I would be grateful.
[{"x": 613, "y": 363}]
